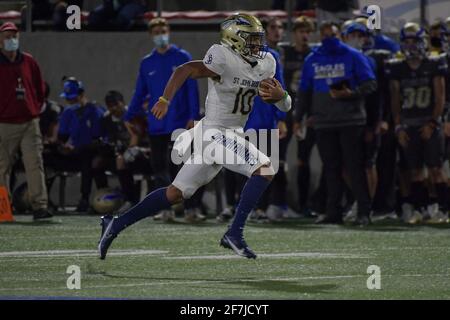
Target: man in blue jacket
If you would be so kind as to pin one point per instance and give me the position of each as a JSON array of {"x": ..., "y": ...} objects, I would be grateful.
[
  {"x": 334, "y": 82},
  {"x": 154, "y": 73}
]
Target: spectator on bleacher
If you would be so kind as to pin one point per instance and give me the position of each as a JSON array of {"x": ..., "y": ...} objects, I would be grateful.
[
  {"x": 79, "y": 131},
  {"x": 117, "y": 15},
  {"x": 122, "y": 152},
  {"x": 54, "y": 11},
  {"x": 154, "y": 72},
  {"x": 21, "y": 100}
]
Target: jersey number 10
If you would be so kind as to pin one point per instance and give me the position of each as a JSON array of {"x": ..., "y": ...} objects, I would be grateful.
[{"x": 244, "y": 101}]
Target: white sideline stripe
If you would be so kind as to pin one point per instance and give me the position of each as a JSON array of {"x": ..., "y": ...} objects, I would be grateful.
[
  {"x": 275, "y": 255},
  {"x": 80, "y": 253},
  {"x": 165, "y": 283}
]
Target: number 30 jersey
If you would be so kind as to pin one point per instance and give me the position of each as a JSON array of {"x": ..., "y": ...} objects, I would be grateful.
[
  {"x": 230, "y": 96},
  {"x": 416, "y": 87}
]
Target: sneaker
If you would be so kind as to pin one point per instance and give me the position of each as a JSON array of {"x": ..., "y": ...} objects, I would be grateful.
[
  {"x": 414, "y": 218},
  {"x": 238, "y": 245},
  {"x": 226, "y": 215},
  {"x": 325, "y": 219},
  {"x": 274, "y": 213},
  {"x": 107, "y": 236},
  {"x": 165, "y": 216},
  {"x": 362, "y": 221},
  {"x": 407, "y": 211},
  {"x": 259, "y": 216},
  {"x": 193, "y": 215},
  {"x": 376, "y": 217},
  {"x": 41, "y": 214},
  {"x": 288, "y": 213},
  {"x": 437, "y": 218},
  {"x": 83, "y": 206},
  {"x": 351, "y": 215}
]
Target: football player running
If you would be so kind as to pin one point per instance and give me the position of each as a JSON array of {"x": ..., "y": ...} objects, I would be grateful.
[
  {"x": 417, "y": 90},
  {"x": 234, "y": 69}
]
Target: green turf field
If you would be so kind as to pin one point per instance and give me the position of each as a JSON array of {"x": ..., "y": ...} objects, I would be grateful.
[{"x": 297, "y": 260}]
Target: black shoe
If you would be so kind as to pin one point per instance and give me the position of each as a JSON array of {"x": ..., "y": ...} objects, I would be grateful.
[
  {"x": 107, "y": 236},
  {"x": 362, "y": 221},
  {"x": 83, "y": 206},
  {"x": 42, "y": 214},
  {"x": 329, "y": 220},
  {"x": 238, "y": 245}
]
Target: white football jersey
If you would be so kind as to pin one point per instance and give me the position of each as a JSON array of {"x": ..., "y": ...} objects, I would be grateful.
[{"x": 230, "y": 98}]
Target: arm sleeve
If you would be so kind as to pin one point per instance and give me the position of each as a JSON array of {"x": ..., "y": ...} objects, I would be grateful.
[
  {"x": 215, "y": 59},
  {"x": 136, "y": 105}
]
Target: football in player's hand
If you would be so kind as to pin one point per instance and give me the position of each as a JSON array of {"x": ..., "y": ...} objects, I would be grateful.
[{"x": 269, "y": 89}]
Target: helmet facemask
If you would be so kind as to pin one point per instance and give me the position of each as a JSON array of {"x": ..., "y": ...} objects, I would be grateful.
[
  {"x": 414, "y": 48},
  {"x": 255, "y": 45}
]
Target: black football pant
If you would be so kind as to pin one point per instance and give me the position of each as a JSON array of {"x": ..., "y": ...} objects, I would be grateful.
[{"x": 340, "y": 148}]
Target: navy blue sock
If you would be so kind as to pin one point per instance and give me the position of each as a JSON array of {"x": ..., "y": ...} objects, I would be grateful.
[
  {"x": 250, "y": 195},
  {"x": 149, "y": 206}
]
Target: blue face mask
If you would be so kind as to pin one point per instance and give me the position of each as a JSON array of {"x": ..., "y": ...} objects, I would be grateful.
[
  {"x": 11, "y": 44},
  {"x": 161, "y": 40},
  {"x": 331, "y": 44}
]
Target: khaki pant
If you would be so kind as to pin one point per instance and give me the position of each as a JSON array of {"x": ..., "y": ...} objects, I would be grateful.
[{"x": 28, "y": 138}]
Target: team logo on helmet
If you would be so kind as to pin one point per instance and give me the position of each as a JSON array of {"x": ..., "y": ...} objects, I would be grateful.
[{"x": 244, "y": 34}]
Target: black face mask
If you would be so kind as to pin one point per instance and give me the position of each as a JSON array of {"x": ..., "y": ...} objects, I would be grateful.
[{"x": 436, "y": 42}]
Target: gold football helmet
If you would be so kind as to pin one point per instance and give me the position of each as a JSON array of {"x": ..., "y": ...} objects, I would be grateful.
[{"x": 244, "y": 34}]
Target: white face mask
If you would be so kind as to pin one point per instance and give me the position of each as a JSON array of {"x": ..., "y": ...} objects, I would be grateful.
[
  {"x": 11, "y": 44},
  {"x": 356, "y": 43},
  {"x": 161, "y": 40}
]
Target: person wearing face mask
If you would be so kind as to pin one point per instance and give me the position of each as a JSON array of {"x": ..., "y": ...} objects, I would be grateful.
[
  {"x": 154, "y": 73},
  {"x": 381, "y": 147},
  {"x": 334, "y": 82},
  {"x": 355, "y": 35},
  {"x": 78, "y": 133},
  {"x": 21, "y": 100}
]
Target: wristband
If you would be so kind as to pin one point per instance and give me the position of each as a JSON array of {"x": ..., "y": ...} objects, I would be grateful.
[{"x": 162, "y": 99}]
